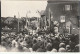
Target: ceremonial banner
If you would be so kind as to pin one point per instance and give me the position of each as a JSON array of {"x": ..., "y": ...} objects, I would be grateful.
[{"x": 62, "y": 19}]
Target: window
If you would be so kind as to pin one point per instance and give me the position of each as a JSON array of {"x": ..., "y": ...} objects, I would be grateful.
[{"x": 68, "y": 7}]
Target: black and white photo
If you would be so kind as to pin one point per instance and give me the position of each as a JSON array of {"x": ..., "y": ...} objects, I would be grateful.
[{"x": 40, "y": 26}]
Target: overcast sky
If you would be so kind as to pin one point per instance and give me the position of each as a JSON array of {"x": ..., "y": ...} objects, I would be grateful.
[{"x": 11, "y": 8}]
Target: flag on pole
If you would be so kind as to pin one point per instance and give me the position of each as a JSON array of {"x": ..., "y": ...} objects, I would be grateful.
[
  {"x": 26, "y": 22},
  {"x": 49, "y": 17}
]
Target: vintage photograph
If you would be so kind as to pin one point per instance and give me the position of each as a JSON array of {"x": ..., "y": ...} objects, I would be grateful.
[{"x": 40, "y": 26}]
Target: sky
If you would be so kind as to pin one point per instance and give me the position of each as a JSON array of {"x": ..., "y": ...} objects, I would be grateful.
[{"x": 11, "y": 8}]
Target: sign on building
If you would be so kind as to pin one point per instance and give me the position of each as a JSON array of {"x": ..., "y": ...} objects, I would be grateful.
[{"x": 62, "y": 19}]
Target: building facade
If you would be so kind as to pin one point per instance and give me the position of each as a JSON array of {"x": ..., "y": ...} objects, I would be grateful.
[{"x": 66, "y": 13}]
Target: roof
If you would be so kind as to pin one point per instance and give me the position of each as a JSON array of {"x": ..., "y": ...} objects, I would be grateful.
[{"x": 62, "y": 1}]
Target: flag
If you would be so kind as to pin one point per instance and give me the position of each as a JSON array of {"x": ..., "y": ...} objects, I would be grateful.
[{"x": 49, "y": 17}]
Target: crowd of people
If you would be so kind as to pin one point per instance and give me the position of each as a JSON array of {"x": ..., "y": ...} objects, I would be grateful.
[{"x": 39, "y": 43}]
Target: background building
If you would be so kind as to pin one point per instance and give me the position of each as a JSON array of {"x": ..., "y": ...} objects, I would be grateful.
[{"x": 65, "y": 12}]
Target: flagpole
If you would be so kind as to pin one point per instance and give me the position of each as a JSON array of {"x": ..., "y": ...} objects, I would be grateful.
[
  {"x": 26, "y": 21},
  {"x": 18, "y": 21},
  {"x": 45, "y": 21}
]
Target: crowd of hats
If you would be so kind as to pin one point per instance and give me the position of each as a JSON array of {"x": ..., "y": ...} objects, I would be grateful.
[{"x": 39, "y": 43}]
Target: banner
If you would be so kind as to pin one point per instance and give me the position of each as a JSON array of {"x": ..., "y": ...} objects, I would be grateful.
[{"x": 62, "y": 18}]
